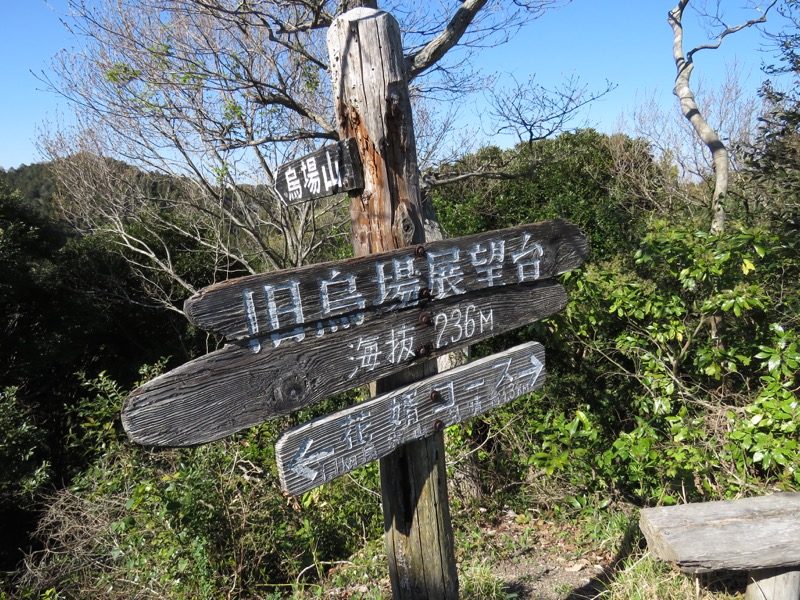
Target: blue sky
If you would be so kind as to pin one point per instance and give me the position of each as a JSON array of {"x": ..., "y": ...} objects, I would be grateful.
[{"x": 625, "y": 41}]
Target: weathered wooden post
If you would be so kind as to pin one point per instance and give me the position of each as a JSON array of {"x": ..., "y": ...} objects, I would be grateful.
[
  {"x": 372, "y": 105},
  {"x": 298, "y": 336}
]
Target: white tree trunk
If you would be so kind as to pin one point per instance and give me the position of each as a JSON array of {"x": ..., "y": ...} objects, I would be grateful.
[{"x": 690, "y": 110}]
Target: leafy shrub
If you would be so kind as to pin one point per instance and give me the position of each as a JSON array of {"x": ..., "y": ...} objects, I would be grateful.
[
  {"x": 23, "y": 470},
  {"x": 702, "y": 333},
  {"x": 204, "y": 522}
]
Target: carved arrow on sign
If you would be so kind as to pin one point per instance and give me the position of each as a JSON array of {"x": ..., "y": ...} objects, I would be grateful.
[
  {"x": 369, "y": 430},
  {"x": 301, "y": 460}
]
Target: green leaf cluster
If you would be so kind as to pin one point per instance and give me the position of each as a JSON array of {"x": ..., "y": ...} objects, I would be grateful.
[{"x": 672, "y": 374}]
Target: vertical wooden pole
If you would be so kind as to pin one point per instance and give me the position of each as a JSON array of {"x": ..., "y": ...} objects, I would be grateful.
[
  {"x": 773, "y": 584},
  {"x": 372, "y": 105}
]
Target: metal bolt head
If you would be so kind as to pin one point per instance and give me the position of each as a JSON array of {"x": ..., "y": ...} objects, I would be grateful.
[
  {"x": 419, "y": 251},
  {"x": 425, "y": 318},
  {"x": 438, "y": 425},
  {"x": 436, "y": 396}
]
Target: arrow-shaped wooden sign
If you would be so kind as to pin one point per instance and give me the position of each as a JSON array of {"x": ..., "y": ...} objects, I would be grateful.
[
  {"x": 281, "y": 304},
  {"x": 237, "y": 387},
  {"x": 325, "y": 448}
]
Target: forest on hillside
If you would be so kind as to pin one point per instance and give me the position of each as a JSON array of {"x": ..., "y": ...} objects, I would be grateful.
[{"x": 672, "y": 374}]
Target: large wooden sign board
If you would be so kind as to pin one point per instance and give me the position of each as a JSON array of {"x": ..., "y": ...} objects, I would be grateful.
[
  {"x": 330, "y": 170},
  {"x": 279, "y": 303},
  {"x": 223, "y": 392},
  {"x": 330, "y": 446},
  {"x": 301, "y": 335}
]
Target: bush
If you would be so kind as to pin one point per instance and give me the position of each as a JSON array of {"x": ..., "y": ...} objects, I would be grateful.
[
  {"x": 204, "y": 522},
  {"x": 23, "y": 469}
]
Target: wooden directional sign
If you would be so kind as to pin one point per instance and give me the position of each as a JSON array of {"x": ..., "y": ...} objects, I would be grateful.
[
  {"x": 252, "y": 381},
  {"x": 325, "y": 448},
  {"x": 330, "y": 170},
  {"x": 282, "y": 304}
]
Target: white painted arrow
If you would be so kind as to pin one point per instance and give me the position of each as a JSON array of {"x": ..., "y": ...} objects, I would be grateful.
[
  {"x": 534, "y": 371},
  {"x": 301, "y": 460},
  {"x": 403, "y": 415}
]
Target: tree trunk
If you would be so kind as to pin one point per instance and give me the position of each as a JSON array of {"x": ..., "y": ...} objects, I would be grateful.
[
  {"x": 690, "y": 110},
  {"x": 373, "y": 106}
]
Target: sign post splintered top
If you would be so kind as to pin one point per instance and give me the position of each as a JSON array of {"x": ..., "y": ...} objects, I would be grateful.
[{"x": 330, "y": 170}]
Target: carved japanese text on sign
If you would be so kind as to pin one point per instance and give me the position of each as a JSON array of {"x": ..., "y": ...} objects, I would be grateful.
[
  {"x": 325, "y": 448},
  {"x": 285, "y": 305},
  {"x": 218, "y": 394},
  {"x": 330, "y": 170}
]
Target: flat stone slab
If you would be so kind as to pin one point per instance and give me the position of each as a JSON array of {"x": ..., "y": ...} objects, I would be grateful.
[{"x": 746, "y": 534}]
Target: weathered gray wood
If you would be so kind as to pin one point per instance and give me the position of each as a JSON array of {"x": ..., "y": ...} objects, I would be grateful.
[
  {"x": 371, "y": 103},
  {"x": 321, "y": 450},
  {"x": 330, "y": 170},
  {"x": 746, "y": 534},
  {"x": 218, "y": 394},
  {"x": 240, "y": 308},
  {"x": 773, "y": 584}
]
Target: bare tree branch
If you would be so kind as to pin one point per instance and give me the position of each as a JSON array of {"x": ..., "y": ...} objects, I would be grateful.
[
  {"x": 213, "y": 95},
  {"x": 438, "y": 47},
  {"x": 532, "y": 112}
]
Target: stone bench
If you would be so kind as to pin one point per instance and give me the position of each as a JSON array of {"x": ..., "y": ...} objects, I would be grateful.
[{"x": 758, "y": 535}]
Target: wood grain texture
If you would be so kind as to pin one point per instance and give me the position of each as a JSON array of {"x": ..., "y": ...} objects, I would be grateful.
[
  {"x": 233, "y": 388},
  {"x": 773, "y": 584},
  {"x": 416, "y": 521},
  {"x": 384, "y": 281},
  {"x": 371, "y": 103},
  {"x": 330, "y": 446},
  {"x": 745, "y": 534}
]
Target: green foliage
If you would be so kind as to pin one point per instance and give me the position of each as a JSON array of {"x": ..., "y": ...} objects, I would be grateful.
[
  {"x": 94, "y": 421},
  {"x": 642, "y": 577},
  {"x": 571, "y": 177},
  {"x": 23, "y": 470},
  {"x": 479, "y": 582},
  {"x": 34, "y": 185},
  {"x": 701, "y": 333},
  {"x": 671, "y": 374},
  {"x": 202, "y": 522},
  {"x": 68, "y": 305},
  {"x": 121, "y": 74}
]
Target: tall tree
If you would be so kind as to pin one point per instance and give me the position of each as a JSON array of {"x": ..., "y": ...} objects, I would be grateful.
[
  {"x": 684, "y": 63},
  {"x": 687, "y": 167}
]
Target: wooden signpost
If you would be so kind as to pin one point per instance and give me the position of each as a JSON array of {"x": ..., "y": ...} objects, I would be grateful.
[
  {"x": 325, "y": 448},
  {"x": 299, "y": 336},
  {"x": 257, "y": 305},
  {"x": 330, "y": 170},
  {"x": 252, "y": 381}
]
